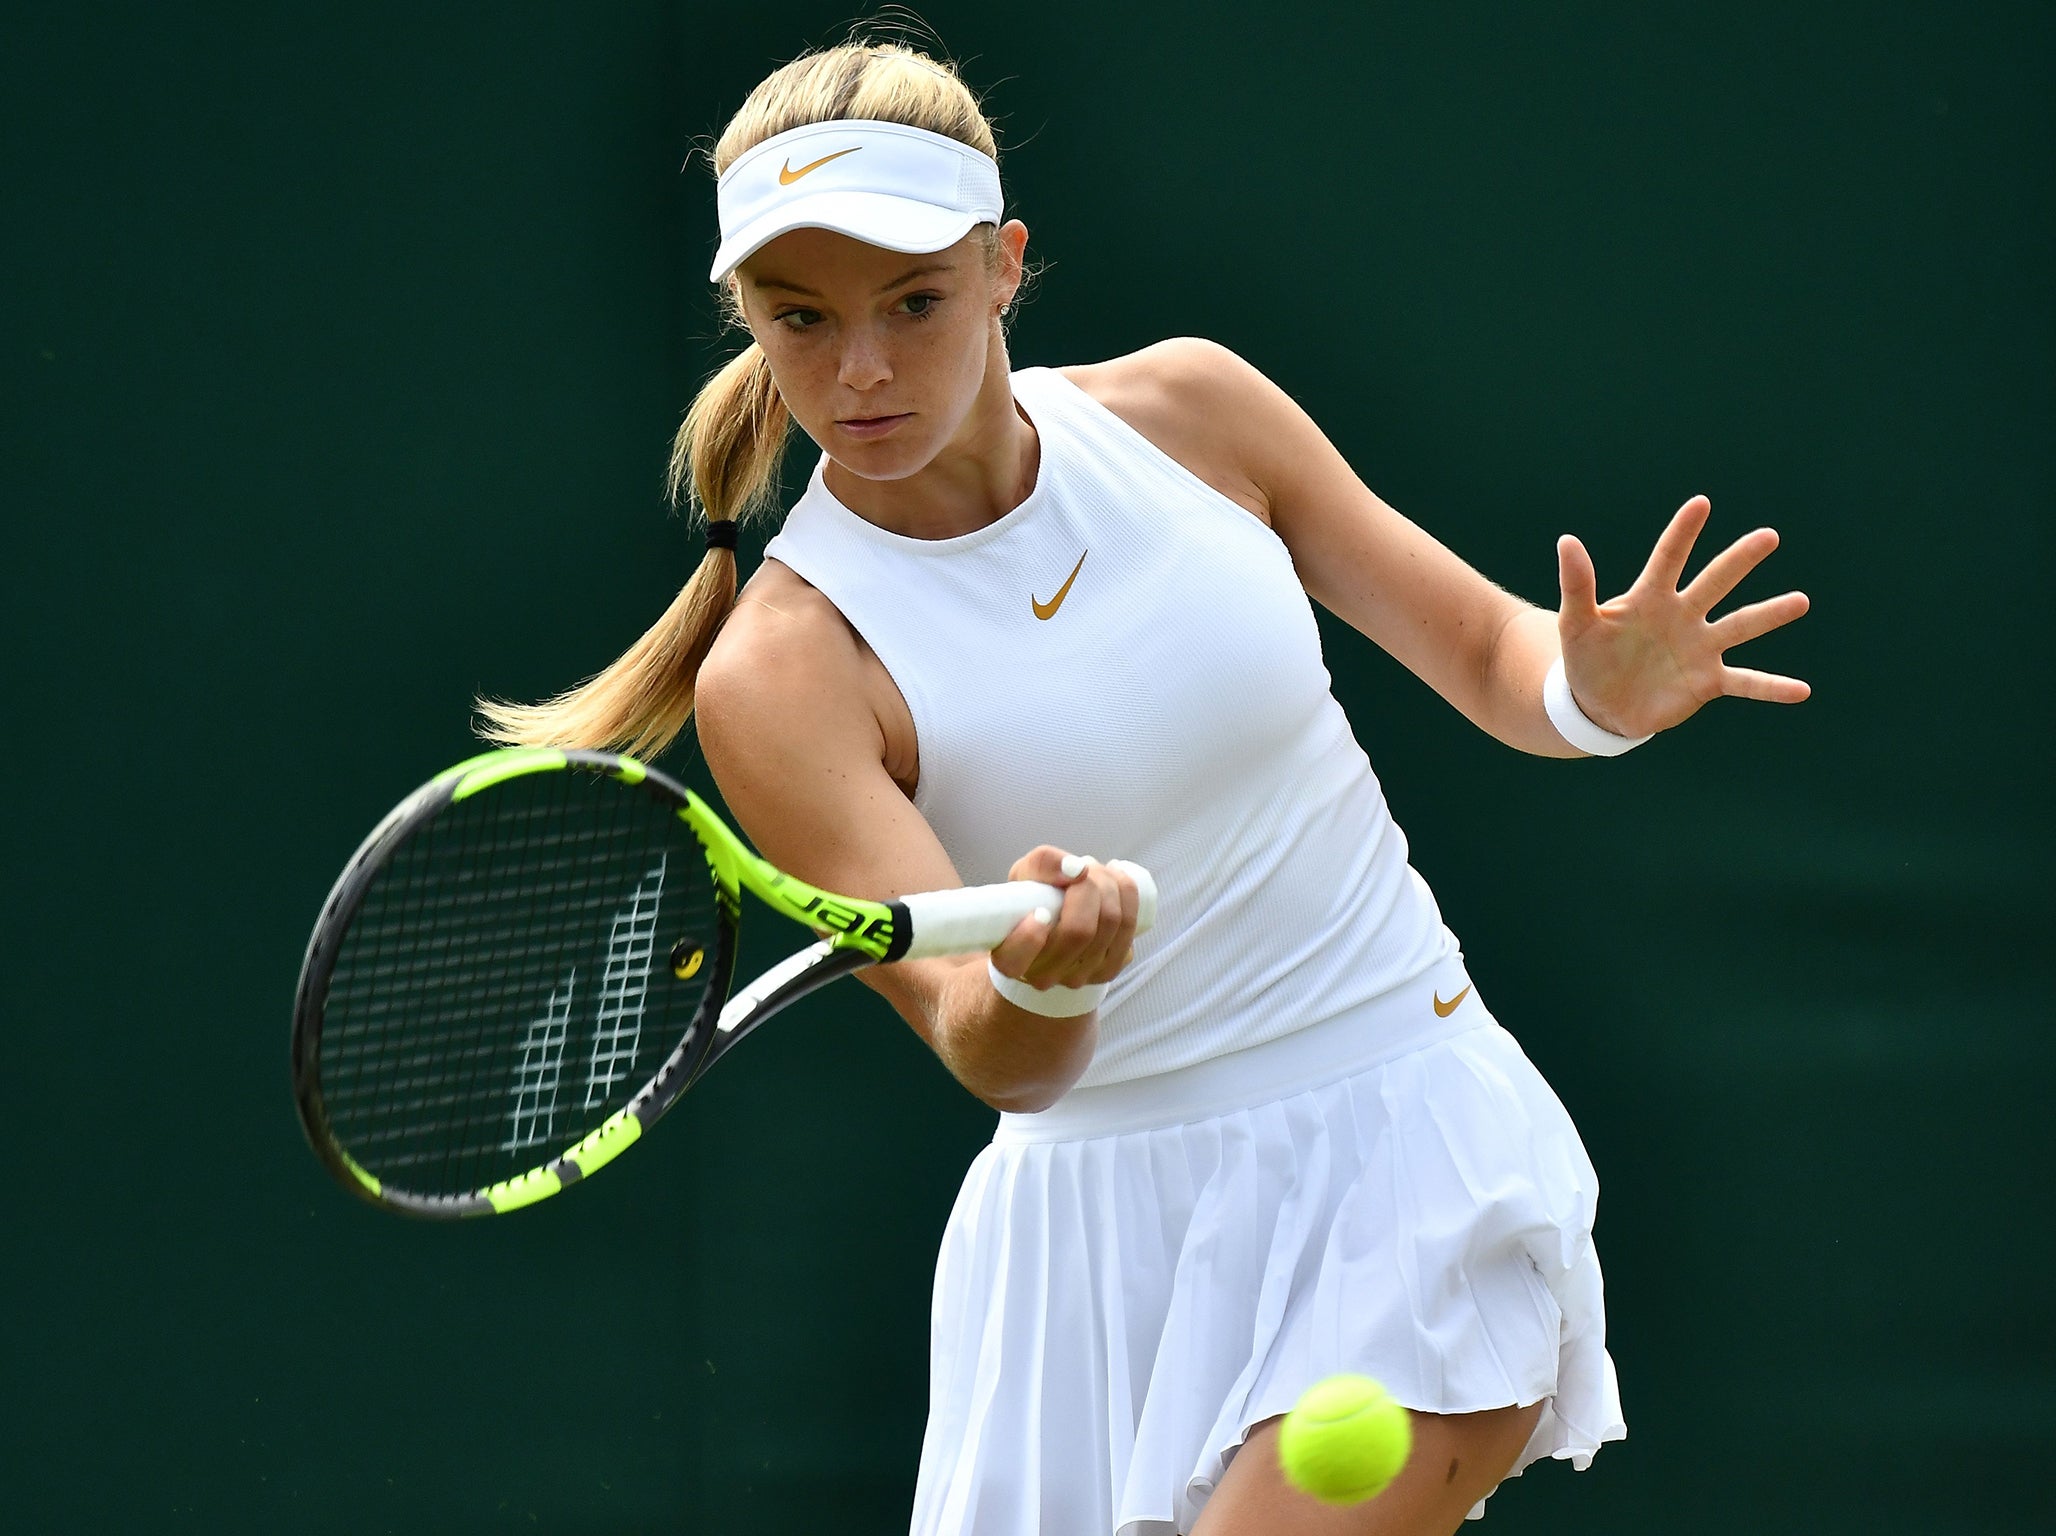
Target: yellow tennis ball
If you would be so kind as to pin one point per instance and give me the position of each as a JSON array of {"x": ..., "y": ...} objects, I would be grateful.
[{"x": 1345, "y": 1440}]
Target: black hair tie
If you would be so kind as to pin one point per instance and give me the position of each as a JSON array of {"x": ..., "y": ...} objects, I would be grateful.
[{"x": 721, "y": 534}]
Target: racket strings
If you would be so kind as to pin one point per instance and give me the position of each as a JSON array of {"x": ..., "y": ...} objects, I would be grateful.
[{"x": 505, "y": 986}]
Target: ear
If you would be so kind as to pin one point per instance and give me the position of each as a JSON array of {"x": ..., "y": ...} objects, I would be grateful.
[{"x": 1013, "y": 248}]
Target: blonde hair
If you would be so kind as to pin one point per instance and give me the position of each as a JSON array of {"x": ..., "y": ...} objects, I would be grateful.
[{"x": 725, "y": 459}]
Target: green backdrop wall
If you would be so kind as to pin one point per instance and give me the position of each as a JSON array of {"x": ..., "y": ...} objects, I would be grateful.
[{"x": 340, "y": 349}]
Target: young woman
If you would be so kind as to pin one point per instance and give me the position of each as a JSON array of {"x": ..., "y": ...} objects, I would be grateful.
[{"x": 1018, "y": 619}]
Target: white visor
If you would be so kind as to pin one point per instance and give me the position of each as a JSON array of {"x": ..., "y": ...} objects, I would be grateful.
[{"x": 905, "y": 189}]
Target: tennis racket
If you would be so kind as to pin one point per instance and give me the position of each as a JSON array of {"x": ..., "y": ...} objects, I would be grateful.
[{"x": 528, "y": 962}]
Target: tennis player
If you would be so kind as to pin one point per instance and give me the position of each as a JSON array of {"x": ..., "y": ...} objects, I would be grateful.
[{"x": 1021, "y": 618}]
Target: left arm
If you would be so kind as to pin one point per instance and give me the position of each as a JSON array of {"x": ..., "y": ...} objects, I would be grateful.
[{"x": 1640, "y": 662}]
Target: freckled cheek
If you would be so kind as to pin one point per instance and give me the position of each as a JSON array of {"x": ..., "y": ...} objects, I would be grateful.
[
  {"x": 946, "y": 367},
  {"x": 807, "y": 384}
]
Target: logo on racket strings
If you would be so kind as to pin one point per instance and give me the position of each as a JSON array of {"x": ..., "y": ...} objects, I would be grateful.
[{"x": 617, "y": 1021}]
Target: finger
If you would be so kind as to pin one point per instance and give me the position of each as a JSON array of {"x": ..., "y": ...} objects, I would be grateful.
[
  {"x": 1578, "y": 582},
  {"x": 1109, "y": 937},
  {"x": 1758, "y": 619},
  {"x": 1074, "y": 930},
  {"x": 1083, "y": 868},
  {"x": 1045, "y": 864},
  {"x": 1018, "y": 951},
  {"x": 1724, "y": 572},
  {"x": 1131, "y": 902},
  {"x": 1120, "y": 902},
  {"x": 1667, "y": 560},
  {"x": 1746, "y": 683}
]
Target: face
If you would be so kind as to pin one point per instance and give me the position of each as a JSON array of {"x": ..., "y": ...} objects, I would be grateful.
[{"x": 882, "y": 357}]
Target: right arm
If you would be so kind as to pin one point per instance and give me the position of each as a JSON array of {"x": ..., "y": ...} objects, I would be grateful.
[{"x": 788, "y": 727}]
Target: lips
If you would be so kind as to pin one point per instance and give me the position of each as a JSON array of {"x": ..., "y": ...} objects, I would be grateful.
[{"x": 873, "y": 426}]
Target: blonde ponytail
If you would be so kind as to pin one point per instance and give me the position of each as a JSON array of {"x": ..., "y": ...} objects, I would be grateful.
[
  {"x": 727, "y": 452},
  {"x": 726, "y": 457},
  {"x": 725, "y": 461}
]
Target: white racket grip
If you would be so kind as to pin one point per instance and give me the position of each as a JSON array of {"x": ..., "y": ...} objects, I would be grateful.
[{"x": 975, "y": 917}]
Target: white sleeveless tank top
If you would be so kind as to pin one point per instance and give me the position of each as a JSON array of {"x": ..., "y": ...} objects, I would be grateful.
[{"x": 1126, "y": 665}]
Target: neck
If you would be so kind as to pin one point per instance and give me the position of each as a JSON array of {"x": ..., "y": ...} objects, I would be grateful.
[{"x": 987, "y": 470}]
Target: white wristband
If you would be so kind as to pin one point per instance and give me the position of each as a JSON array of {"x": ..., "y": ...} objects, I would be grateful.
[
  {"x": 1055, "y": 1003},
  {"x": 1574, "y": 725}
]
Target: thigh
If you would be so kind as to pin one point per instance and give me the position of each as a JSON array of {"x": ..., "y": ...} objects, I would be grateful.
[{"x": 1457, "y": 1459}]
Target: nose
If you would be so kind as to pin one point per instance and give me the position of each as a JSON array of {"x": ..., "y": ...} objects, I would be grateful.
[{"x": 863, "y": 364}]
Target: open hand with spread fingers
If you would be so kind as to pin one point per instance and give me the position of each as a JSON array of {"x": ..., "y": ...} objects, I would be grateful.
[{"x": 1646, "y": 660}]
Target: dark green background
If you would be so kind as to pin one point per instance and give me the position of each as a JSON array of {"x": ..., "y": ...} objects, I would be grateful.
[{"x": 340, "y": 350}]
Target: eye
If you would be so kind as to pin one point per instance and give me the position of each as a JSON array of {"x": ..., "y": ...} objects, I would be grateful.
[
  {"x": 921, "y": 305},
  {"x": 798, "y": 319}
]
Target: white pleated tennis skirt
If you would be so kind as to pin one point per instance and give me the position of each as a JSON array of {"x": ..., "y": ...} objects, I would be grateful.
[{"x": 1133, "y": 1279}]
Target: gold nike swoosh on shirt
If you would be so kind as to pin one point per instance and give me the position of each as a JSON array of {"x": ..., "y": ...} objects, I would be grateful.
[
  {"x": 787, "y": 175},
  {"x": 1444, "y": 1010},
  {"x": 1049, "y": 609}
]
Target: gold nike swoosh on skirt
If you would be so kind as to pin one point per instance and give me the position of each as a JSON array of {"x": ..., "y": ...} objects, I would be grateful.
[
  {"x": 1049, "y": 609},
  {"x": 1444, "y": 1010}
]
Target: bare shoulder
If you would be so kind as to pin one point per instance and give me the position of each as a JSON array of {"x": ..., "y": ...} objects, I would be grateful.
[
  {"x": 811, "y": 745},
  {"x": 1199, "y": 402},
  {"x": 785, "y": 675},
  {"x": 1190, "y": 369},
  {"x": 781, "y": 632}
]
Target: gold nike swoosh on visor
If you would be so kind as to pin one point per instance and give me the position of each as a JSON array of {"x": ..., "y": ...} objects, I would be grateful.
[
  {"x": 787, "y": 175},
  {"x": 1049, "y": 609},
  {"x": 1444, "y": 1010}
]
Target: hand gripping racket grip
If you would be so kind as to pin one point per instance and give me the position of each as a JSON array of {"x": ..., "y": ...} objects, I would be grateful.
[{"x": 976, "y": 917}]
